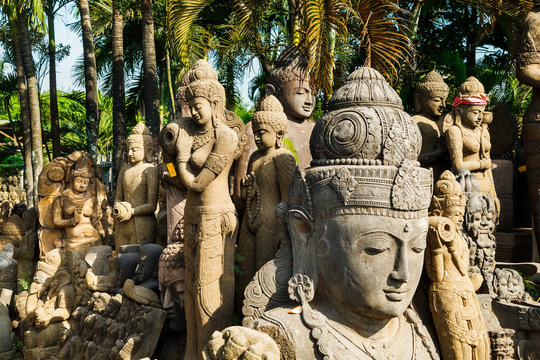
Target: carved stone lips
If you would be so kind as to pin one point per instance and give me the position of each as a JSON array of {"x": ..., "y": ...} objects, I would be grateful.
[{"x": 395, "y": 294}]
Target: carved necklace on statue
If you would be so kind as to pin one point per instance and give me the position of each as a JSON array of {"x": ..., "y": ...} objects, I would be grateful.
[{"x": 202, "y": 138}]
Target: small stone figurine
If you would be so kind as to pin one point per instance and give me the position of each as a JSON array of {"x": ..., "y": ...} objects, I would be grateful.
[
  {"x": 136, "y": 192},
  {"x": 270, "y": 171},
  {"x": 452, "y": 299}
]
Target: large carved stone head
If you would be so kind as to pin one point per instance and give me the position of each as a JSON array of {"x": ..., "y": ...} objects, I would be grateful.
[
  {"x": 147, "y": 267},
  {"x": 358, "y": 216},
  {"x": 290, "y": 83}
]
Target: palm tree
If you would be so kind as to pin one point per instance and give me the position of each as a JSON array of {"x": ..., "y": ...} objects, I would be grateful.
[
  {"x": 118, "y": 91},
  {"x": 90, "y": 79},
  {"x": 151, "y": 95}
]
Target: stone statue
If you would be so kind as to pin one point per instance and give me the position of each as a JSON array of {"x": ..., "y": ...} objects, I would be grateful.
[
  {"x": 136, "y": 192},
  {"x": 453, "y": 302},
  {"x": 509, "y": 286},
  {"x": 6, "y": 336},
  {"x": 267, "y": 183},
  {"x": 467, "y": 136},
  {"x": 78, "y": 212},
  {"x": 172, "y": 285},
  {"x": 357, "y": 220},
  {"x": 101, "y": 274},
  {"x": 57, "y": 181},
  {"x": 207, "y": 145},
  {"x": 430, "y": 103},
  {"x": 289, "y": 82},
  {"x": 528, "y": 73},
  {"x": 8, "y": 268},
  {"x": 127, "y": 259}
]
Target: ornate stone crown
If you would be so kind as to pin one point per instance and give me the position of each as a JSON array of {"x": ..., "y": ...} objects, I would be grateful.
[
  {"x": 365, "y": 148},
  {"x": 201, "y": 80},
  {"x": 447, "y": 193}
]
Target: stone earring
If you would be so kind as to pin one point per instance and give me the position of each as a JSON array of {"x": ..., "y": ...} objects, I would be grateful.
[{"x": 301, "y": 288}]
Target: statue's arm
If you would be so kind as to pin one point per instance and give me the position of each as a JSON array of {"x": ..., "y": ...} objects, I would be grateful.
[
  {"x": 455, "y": 148},
  {"x": 285, "y": 165},
  {"x": 434, "y": 256},
  {"x": 152, "y": 192},
  {"x": 119, "y": 194},
  {"x": 219, "y": 159},
  {"x": 58, "y": 220},
  {"x": 460, "y": 256},
  {"x": 529, "y": 75},
  {"x": 62, "y": 312}
]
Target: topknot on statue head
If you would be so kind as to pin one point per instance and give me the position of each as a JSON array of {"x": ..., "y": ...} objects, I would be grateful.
[
  {"x": 270, "y": 111},
  {"x": 433, "y": 82},
  {"x": 472, "y": 86},
  {"x": 140, "y": 134}
]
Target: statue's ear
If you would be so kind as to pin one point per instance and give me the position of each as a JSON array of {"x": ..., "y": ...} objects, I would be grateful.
[
  {"x": 280, "y": 136},
  {"x": 300, "y": 226},
  {"x": 270, "y": 89}
]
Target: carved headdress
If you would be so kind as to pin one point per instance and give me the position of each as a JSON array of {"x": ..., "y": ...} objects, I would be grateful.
[
  {"x": 201, "y": 80},
  {"x": 365, "y": 148},
  {"x": 271, "y": 112},
  {"x": 471, "y": 92},
  {"x": 447, "y": 193},
  {"x": 291, "y": 65}
]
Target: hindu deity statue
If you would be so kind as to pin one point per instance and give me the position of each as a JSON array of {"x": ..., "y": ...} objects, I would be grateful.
[
  {"x": 267, "y": 183},
  {"x": 452, "y": 298},
  {"x": 136, "y": 192},
  {"x": 78, "y": 212},
  {"x": 468, "y": 138},
  {"x": 430, "y": 103},
  {"x": 357, "y": 221},
  {"x": 289, "y": 82},
  {"x": 207, "y": 145},
  {"x": 528, "y": 73}
]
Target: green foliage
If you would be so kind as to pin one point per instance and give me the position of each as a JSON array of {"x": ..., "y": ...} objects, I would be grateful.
[
  {"x": 25, "y": 281},
  {"x": 238, "y": 259},
  {"x": 243, "y": 111},
  {"x": 287, "y": 144}
]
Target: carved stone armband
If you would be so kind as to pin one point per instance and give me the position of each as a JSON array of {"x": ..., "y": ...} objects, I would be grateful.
[{"x": 216, "y": 162}]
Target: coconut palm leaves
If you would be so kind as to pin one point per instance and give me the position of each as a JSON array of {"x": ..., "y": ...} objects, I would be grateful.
[{"x": 377, "y": 29}]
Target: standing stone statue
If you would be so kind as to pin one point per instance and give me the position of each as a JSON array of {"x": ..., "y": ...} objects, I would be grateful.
[
  {"x": 357, "y": 220},
  {"x": 528, "y": 73},
  {"x": 136, "y": 192},
  {"x": 267, "y": 183},
  {"x": 78, "y": 212},
  {"x": 207, "y": 145},
  {"x": 468, "y": 138},
  {"x": 289, "y": 82},
  {"x": 430, "y": 103},
  {"x": 453, "y": 302}
]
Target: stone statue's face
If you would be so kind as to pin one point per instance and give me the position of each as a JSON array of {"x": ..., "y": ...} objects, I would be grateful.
[
  {"x": 80, "y": 184},
  {"x": 472, "y": 115},
  {"x": 455, "y": 213},
  {"x": 371, "y": 265},
  {"x": 201, "y": 110},
  {"x": 265, "y": 136},
  {"x": 135, "y": 153},
  {"x": 435, "y": 104},
  {"x": 512, "y": 285},
  {"x": 297, "y": 99}
]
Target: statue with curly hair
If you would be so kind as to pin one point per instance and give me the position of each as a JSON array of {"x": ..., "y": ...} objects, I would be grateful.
[
  {"x": 136, "y": 192},
  {"x": 208, "y": 142}
]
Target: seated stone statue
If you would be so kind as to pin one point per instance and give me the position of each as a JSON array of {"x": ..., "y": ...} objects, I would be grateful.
[
  {"x": 136, "y": 192},
  {"x": 468, "y": 139},
  {"x": 357, "y": 220},
  {"x": 267, "y": 183},
  {"x": 78, "y": 212},
  {"x": 289, "y": 82},
  {"x": 144, "y": 287},
  {"x": 454, "y": 305},
  {"x": 430, "y": 103}
]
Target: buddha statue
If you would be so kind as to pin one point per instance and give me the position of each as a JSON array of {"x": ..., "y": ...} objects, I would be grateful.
[
  {"x": 207, "y": 144},
  {"x": 289, "y": 82},
  {"x": 357, "y": 221},
  {"x": 453, "y": 302},
  {"x": 78, "y": 213},
  {"x": 172, "y": 276},
  {"x": 267, "y": 183},
  {"x": 136, "y": 192},
  {"x": 528, "y": 73},
  {"x": 467, "y": 137},
  {"x": 430, "y": 103}
]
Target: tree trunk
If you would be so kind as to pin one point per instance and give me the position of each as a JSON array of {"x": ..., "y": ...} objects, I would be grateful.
[
  {"x": 170, "y": 85},
  {"x": 150, "y": 78},
  {"x": 55, "y": 124},
  {"x": 33, "y": 100},
  {"x": 90, "y": 79},
  {"x": 119, "y": 93}
]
